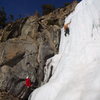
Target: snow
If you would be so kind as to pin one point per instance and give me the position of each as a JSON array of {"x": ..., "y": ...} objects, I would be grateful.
[{"x": 76, "y": 72}]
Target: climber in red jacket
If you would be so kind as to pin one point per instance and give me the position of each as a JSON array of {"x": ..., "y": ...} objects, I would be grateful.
[
  {"x": 28, "y": 82},
  {"x": 26, "y": 88}
]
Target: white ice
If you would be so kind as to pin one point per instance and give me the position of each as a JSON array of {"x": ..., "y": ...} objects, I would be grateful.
[{"x": 76, "y": 74}]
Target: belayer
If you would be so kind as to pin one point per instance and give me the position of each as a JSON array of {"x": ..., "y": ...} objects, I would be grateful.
[
  {"x": 26, "y": 89},
  {"x": 28, "y": 82}
]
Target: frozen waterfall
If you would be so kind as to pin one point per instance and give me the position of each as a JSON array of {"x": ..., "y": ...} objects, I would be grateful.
[{"x": 76, "y": 74}]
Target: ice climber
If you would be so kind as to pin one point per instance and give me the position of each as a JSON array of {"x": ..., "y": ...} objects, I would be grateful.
[{"x": 66, "y": 28}]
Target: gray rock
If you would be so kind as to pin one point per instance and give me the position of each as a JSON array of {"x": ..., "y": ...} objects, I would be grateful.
[
  {"x": 5, "y": 74},
  {"x": 24, "y": 48}
]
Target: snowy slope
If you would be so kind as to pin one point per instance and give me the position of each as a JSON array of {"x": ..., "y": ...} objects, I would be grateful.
[{"x": 76, "y": 74}]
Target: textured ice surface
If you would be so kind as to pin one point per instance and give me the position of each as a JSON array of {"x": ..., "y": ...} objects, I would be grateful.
[{"x": 76, "y": 74}]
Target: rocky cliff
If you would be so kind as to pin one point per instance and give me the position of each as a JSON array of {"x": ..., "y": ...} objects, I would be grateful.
[{"x": 25, "y": 45}]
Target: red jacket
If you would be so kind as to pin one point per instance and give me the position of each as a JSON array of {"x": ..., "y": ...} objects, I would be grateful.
[{"x": 28, "y": 82}]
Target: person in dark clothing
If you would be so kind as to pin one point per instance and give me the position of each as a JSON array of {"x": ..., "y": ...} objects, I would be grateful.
[
  {"x": 66, "y": 28},
  {"x": 67, "y": 31}
]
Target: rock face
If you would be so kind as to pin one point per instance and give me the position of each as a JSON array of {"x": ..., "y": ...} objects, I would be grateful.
[
  {"x": 6, "y": 96},
  {"x": 24, "y": 48}
]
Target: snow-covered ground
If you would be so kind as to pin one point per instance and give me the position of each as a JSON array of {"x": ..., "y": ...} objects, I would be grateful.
[{"x": 76, "y": 74}]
